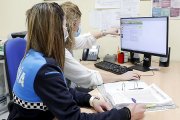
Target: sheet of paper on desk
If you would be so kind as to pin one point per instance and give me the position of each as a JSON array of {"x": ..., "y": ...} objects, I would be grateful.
[{"x": 152, "y": 96}]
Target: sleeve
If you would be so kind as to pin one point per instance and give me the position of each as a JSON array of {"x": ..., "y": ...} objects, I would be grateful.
[
  {"x": 50, "y": 86},
  {"x": 84, "y": 41},
  {"x": 80, "y": 74},
  {"x": 81, "y": 98}
]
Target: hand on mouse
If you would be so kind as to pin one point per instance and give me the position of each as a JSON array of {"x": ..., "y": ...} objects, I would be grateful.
[{"x": 130, "y": 75}]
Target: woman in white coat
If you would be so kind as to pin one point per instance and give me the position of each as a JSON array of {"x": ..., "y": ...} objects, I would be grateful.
[{"x": 73, "y": 70}]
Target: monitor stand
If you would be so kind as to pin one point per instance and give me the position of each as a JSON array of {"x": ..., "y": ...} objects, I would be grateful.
[
  {"x": 140, "y": 68},
  {"x": 146, "y": 64}
]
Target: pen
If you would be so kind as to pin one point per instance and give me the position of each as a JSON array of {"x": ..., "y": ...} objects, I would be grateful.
[{"x": 134, "y": 100}]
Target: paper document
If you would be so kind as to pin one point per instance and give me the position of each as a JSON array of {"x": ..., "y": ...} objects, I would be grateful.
[
  {"x": 104, "y": 19},
  {"x": 152, "y": 96},
  {"x": 99, "y": 4},
  {"x": 175, "y": 3},
  {"x": 130, "y": 8}
]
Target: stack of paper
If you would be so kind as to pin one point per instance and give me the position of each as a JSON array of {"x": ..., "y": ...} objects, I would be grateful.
[{"x": 122, "y": 94}]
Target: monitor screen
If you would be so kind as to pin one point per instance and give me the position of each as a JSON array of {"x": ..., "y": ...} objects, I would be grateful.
[{"x": 145, "y": 35}]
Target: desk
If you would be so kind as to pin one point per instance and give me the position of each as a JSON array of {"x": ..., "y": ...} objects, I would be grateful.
[{"x": 168, "y": 79}]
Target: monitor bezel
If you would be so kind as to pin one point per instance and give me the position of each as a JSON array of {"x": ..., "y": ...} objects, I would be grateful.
[{"x": 143, "y": 52}]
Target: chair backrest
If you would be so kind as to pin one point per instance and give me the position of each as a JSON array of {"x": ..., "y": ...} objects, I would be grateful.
[{"x": 14, "y": 50}]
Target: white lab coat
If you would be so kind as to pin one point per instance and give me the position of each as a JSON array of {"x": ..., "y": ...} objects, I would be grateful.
[{"x": 75, "y": 71}]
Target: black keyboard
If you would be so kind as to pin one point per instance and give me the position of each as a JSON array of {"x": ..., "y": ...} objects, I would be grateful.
[{"x": 112, "y": 67}]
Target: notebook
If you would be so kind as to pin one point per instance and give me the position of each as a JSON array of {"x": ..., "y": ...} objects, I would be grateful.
[{"x": 122, "y": 94}]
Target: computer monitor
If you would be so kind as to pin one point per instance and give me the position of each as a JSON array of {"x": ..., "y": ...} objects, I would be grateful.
[{"x": 146, "y": 35}]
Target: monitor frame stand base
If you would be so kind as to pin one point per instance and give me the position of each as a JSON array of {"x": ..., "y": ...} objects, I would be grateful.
[{"x": 140, "y": 68}]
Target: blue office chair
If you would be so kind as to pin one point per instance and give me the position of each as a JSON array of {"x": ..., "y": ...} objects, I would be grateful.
[{"x": 14, "y": 50}]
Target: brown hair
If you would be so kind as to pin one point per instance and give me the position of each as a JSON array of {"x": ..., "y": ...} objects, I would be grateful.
[
  {"x": 72, "y": 14},
  {"x": 45, "y": 31}
]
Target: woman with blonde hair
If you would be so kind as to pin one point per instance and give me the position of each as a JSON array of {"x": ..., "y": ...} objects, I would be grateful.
[
  {"x": 73, "y": 70},
  {"x": 40, "y": 91}
]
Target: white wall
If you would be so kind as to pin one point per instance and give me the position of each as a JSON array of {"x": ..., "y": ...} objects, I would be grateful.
[
  {"x": 12, "y": 15},
  {"x": 13, "y": 19}
]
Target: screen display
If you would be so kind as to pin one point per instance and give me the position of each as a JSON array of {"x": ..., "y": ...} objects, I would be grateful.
[{"x": 145, "y": 35}]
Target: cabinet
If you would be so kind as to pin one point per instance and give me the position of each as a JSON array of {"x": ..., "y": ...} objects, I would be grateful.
[
  {"x": 3, "y": 81},
  {"x": 4, "y": 98}
]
